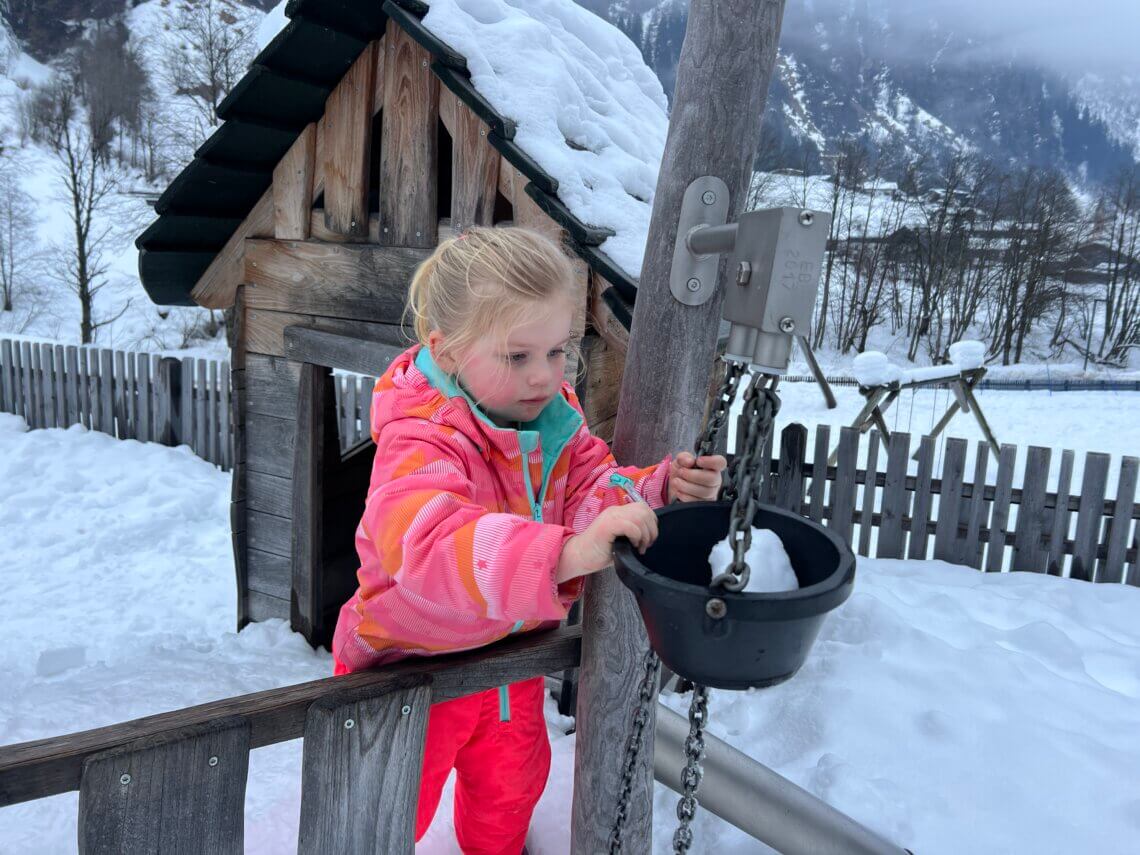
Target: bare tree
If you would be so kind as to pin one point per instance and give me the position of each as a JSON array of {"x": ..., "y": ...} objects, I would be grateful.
[
  {"x": 17, "y": 238},
  {"x": 212, "y": 50}
]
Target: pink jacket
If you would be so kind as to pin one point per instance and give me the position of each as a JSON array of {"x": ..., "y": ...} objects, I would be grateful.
[{"x": 465, "y": 521}]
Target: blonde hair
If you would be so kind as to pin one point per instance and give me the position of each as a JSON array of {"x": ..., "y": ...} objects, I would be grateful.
[{"x": 486, "y": 282}]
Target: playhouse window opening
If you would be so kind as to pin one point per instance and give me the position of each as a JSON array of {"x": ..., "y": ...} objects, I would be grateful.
[
  {"x": 504, "y": 210},
  {"x": 444, "y": 179}
]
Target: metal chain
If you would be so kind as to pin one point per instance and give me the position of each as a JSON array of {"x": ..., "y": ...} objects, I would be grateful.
[
  {"x": 761, "y": 404},
  {"x": 760, "y": 407},
  {"x": 718, "y": 415},
  {"x": 641, "y": 716},
  {"x": 692, "y": 773}
]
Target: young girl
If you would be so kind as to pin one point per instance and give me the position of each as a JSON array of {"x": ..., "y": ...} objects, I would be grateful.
[{"x": 489, "y": 503}]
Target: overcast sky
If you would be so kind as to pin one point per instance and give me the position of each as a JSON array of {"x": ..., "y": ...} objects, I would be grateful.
[{"x": 1068, "y": 35}]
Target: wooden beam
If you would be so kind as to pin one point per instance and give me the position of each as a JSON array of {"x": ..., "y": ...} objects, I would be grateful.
[
  {"x": 378, "y": 78},
  {"x": 217, "y": 287},
  {"x": 348, "y": 129},
  {"x": 408, "y": 149},
  {"x": 266, "y": 329},
  {"x": 508, "y": 176},
  {"x": 336, "y": 280},
  {"x": 447, "y": 106},
  {"x": 444, "y": 229},
  {"x": 602, "y": 317},
  {"x": 367, "y": 356},
  {"x": 307, "y": 525},
  {"x": 293, "y": 187},
  {"x": 723, "y": 76},
  {"x": 474, "y": 168},
  {"x": 47, "y": 767}
]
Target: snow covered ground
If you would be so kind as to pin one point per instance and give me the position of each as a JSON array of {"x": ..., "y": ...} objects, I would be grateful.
[{"x": 949, "y": 710}]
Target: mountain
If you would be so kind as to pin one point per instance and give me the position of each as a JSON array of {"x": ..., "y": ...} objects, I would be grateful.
[{"x": 908, "y": 87}]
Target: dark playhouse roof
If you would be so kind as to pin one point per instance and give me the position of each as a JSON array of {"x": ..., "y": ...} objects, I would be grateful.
[{"x": 284, "y": 90}]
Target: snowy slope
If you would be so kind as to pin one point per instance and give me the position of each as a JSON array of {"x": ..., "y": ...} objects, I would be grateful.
[{"x": 951, "y": 711}]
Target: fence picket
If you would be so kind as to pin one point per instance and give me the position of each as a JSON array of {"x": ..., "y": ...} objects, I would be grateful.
[
  {"x": 1028, "y": 553},
  {"x": 819, "y": 472},
  {"x": 107, "y": 392},
  {"x": 185, "y": 421},
  {"x": 971, "y": 552},
  {"x": 1089, "y": 513},
  {"x": 47, "y": 384},
  {"x": 201, "y": 429},
  {"x": 790, "y": 474},
  {"x": 7, "y": 378},
  {"x": 225, "y": 426},
  {"x": 180, "y": 796},
  {"x": 842, "y": 506},
  {"x": 63, "y": 414},
  {"x": 895, "y": 498},
  {"x": 868, "y": 514},
  {"x": 24, "y": 386},
  {"x": 37, "y": 382},
  {"x": 1112, "y": 568},
  {"x": 922, "y": 499},
  {"x": 1059, "y": 525},
  {"x": 995, "y": 555},
  {"x": 144, "y": 397},
  {"x": 946, "y": 535},
  {"x": 119, "y": 375}
]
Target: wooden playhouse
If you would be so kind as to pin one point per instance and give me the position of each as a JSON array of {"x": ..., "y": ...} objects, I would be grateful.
[{"x": 353, "y": 145}]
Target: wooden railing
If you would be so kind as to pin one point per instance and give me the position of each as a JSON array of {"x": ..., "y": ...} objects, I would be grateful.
[{"x": 155, "y": 783}]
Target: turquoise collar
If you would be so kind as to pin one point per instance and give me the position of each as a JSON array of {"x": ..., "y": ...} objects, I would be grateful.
[{"x": 555, "y": 425}]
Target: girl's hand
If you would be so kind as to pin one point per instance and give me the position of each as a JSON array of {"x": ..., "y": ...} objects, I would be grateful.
[
  {"x": 693, "y": 480},
  {"x": 592, "y": 550}
]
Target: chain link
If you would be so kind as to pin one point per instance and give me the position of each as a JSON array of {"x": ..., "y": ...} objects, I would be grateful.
[
  {"x": 761, "y": 404},
  {"x": 718, "y": 414},
  {"x": 692, "y": 773},
  {"x": 641, "y": 716}
]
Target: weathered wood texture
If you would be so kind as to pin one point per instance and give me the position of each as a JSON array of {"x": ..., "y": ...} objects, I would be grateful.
[
  {"x": 722, "y": 79},
  {"x": 474, "y": 169},
  {"x": 293, "y": 187},
  {"x": 361, "y": 773},
  {"x": 153, "y": 795},
  {"x": 409, "y": 181},
  {"x": 360, "y": 282},
  {"x": 33, "y": 770},
  {"x": 347, "y": 125}
]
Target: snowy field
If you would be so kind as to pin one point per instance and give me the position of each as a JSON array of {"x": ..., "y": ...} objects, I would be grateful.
[{"x": 950, "y": 711}]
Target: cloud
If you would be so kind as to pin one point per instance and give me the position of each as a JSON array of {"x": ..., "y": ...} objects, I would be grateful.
[{"x": 1064, "y": 35}]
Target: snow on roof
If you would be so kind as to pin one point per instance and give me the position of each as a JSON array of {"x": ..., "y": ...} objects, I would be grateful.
[{"x": 588, "y": 110}]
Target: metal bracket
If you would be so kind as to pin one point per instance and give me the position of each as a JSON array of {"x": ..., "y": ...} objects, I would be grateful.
[{"x": 692, "y": 279}]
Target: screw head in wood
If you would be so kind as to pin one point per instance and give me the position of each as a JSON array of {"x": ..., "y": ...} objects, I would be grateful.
[
  {"x": 806, "y": 218},
  {"x": 715, "y": 608},
  {"x": 693, "y": 284},
  {"x": 124, "y": 779},
  {"x": 349, "y": 724},
  {"x": 406, "y": 709},
  {"x": 417, "y": 234},
  {"x": 787, "y": 325},
  {"x": 213, "y": 761},
  {"x": 423, "y": 63},
  {"x": 708, "y": 197}
]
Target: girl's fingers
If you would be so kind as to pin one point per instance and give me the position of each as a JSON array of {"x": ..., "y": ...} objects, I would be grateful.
[{"x": 712, "y": 462}]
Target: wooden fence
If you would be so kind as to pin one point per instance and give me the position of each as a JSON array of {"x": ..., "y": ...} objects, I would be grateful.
[
  {"x": 959, "y": 515},
  {"x": 176, "y": 781},
  {"x": 126, "y": 394}
]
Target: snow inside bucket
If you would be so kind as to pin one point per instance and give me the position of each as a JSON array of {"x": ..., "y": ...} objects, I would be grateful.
[{"x": 744, "y": 639}]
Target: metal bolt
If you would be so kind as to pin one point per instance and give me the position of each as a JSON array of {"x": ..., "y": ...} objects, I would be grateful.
[
  {"x": 482, "y": 132},
  {"x": 213, "y": 761},
  {"x": 693, "y": 284},
  {"x": 124, "y": 779},
  {"x": 385, "y": 230},
  {"x": 417, "y": 234},
  {"x": 708, "y": 197},
  {"x": 352, "y": 224},
  {"x": 806, "y": 218},
  {"x": 406, "y": 709},
  {"x": 787, "y": 325},
  {"x": 743, "y": 273},
  {"x": 423, "y": 63},
  {"x": 715, "y": 608},
  {"x": 349, "y": 724}
]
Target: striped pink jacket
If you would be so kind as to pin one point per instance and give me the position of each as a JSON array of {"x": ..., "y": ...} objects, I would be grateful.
[{"x": 465, "y": 521}]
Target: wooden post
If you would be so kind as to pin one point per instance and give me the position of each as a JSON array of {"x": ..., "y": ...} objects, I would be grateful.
[{"x": 722, "y": 83}]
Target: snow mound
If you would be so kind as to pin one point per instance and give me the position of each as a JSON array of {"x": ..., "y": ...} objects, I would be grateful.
[
  {"x": 967, "y": 354},
  {"x": 589, "y": 110},
  {"x": 770, "y": 569},
  {"x": 873, "y": 368}
]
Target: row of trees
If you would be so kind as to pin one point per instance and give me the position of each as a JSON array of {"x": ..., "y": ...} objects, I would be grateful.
[
  {"x": 104, "y": 119},
  {"x": 1008, "y": 256}
]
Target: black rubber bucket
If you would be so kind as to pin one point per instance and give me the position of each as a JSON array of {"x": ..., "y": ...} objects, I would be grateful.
[{"x": 761, "y": 639}]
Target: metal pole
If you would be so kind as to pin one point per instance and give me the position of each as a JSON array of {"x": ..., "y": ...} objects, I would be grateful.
[
  {"x": 710, "y": 240},
  {"x": 759, "y": 802}
]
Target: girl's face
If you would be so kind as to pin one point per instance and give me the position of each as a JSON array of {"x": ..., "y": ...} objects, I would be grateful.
[{"x": 512, "y": 383}]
